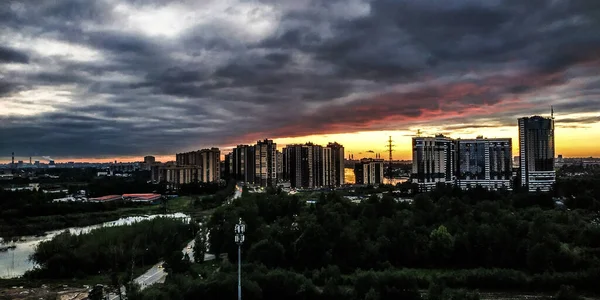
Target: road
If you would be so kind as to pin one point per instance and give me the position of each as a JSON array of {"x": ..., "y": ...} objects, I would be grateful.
[
  {"x": 157, "y": 273},
  {"x": 237, "y": 194}
]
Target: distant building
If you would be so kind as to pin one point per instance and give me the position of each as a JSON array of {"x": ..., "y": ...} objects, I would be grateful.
[
  {"x": 205, "y": 162},
  {"x": 149, "y": 159},
  {"x": 309, "y": 165},
  {"x": 299, "y": 165},
  {"x": 433, "y": 161},
  {"x": 337, "y": 163},
  {"x": 243, "y": 163},
  {"x": 279, "y": 165},
  {"x": 177, "y": 175},
  {"x": 265, "y": 165},
  {"x": 226, "y": 171},
  {"x": 143, "y": 198},
  {"x": 536, "y": 149},
  {"x": 328, "y": 166},
  {"x": 369, "y": 171},
  {"x": 484, "y": 162}
]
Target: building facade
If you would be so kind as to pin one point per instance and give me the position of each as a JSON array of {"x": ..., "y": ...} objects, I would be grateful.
[
  {"x": 369, "y": 171},
  {"x": 243, "y": 163},
  {"x": 265, "y": 163},
  {"x": 208, "y": 160},
  {"x": 299, "y": 165},
  {"x": 433, "y": 161},
  {"x": 337, "y": 163},
  {"x": 484, "y": 162},
  {"x": 536, "y": 153}
]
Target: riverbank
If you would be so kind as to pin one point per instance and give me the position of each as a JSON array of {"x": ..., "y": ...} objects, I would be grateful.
[
  {"x": 15, "y": 262},
  {"x": 13, "y": 228}
]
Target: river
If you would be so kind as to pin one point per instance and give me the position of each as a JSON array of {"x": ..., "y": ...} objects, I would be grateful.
[{"x": 15, "y": 262}]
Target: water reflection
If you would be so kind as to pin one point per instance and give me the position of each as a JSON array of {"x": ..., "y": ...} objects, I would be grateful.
[
  {"x": 15, "y": 262},
  {"x": 349, "y": 178}
]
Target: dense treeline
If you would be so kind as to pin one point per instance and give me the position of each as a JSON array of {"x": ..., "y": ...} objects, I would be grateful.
[
  {"x": 117, "y": 186},
  {"x": 447, "y": 228},
  {"x": 201, "y": 188},
  {"x": 217, "y": 198},
  {"x": 110, "y": 249},
  {"x": 384, "y": 249}
]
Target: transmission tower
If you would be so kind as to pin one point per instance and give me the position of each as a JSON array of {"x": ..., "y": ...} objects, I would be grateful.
[{"x": 390, "y": 148}]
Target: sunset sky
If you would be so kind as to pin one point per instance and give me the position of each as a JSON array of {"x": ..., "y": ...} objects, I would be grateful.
[{"x": 120, "y": 79}]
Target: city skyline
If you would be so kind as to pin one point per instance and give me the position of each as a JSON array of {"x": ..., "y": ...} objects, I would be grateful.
[{"x": 121, "y": 79}]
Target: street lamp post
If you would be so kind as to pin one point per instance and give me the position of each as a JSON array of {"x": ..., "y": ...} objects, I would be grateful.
[{"x": 240, "y": 228}]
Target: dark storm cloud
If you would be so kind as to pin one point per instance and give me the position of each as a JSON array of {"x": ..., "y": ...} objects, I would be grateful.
[
  {"x": 9, "y": 55},
  {"x": 322, "y": 67}
]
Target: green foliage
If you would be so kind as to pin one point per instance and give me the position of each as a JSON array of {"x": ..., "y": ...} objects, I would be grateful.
[
  {"x": 176, "y": 262},
  {"x": 110, "y": 248},
  {"x": 200, "y": 244},
  {"x": 441, "y": 244},
  {"x": 97, "y": 293},
  {"x": 268, "y": 252}
]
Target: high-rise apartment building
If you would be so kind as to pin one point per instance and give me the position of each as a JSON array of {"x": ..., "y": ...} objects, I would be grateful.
[
  {"x": 149, "y": 159},
  {"x": 337, "y": 162},
  {"x": 299, "y": 165},
  {"x": 265, "y": 165},
  {"x": 279, "y": 165},
  {"x": 536, "y": 153},
  {"x": 226, "y": 171},
  {"x": 433, "y": 161},
  {"x": 243, "y": 163},
  {"x": 369, "y": 171},
  {"x": 327, "y": 172},
  {"x": 310, "y": 165},
  {"x": 207, "y": 161},
  {"x": 484, "y": 162}
]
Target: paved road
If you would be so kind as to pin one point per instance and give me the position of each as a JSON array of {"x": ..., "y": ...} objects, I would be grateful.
[{"x": 157, "y": 274}]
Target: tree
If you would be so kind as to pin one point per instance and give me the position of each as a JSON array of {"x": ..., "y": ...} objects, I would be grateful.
[
  {"x": 268, "y": 252},
  {"x": 97, "y": 292},
  {"x": 566, "y": 293},
  {"x": 372, "y": 295},
  {"x": 436, "y": 289},
  {"x": 441, "y": 244},
  {"x": 200, "y": 243},
  {"x": 177, "y": 263}
]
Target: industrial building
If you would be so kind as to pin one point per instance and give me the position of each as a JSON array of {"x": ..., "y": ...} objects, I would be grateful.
[{"x": 143, "y": 198}]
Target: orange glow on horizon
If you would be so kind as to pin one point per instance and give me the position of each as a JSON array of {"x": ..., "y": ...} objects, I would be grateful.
[{"x": 570, "y": 142}]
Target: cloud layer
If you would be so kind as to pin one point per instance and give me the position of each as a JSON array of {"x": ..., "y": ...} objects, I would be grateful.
[{"x": 129, "y": 77}]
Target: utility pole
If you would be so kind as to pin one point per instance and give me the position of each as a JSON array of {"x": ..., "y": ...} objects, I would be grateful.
[
  {"x": 390, "y": 148},
  {"x": 240, "y": 228}
]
